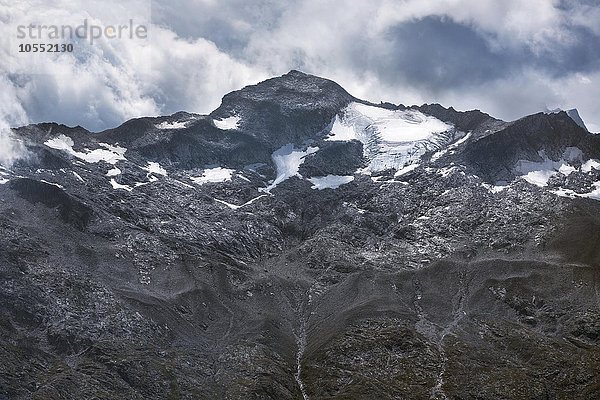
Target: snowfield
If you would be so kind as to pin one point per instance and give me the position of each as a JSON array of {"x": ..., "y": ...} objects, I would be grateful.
[
  {"x": 172, "y": 125},
  {"x": 391, "y": 139},
  {"x": 494, "y": 188},
  {"x": 589, "y": 165},
  {"x": 116, "y": 185},
  {"x": 109, "y": 154},
  {"x": 594, "y": 194},
  {"x": 155, "y": 168},
  {"x": 330, "y": 181},
  {"x": 227, "y": 123},
  {"x": 214, "y": 175},
  {"x": 407, "y": 169},
  {"x": 287, "y": 162},
  {"x": 113, "y": 172},
  {"x": 539, "y": 173}
]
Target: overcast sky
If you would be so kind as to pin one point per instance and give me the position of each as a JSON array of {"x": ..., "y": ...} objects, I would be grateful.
[{"x": 506, "y": 57}]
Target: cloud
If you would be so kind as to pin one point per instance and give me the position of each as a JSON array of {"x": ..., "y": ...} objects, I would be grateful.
[
  {"x": 101, "y": 85},
  {"x": 466, "y": 53},
  {"x": 11, "y": 148}
]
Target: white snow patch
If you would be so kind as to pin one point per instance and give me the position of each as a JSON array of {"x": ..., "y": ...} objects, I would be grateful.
[
  {"x": 232, "y": 206},
  {"x": 330, "y": 181},
  {"x": 155, "y": 168},
  {"x": 566, "y": 169},
  {"x": 461, "y": 140},
  {"x": 214, "y": 175},
  {"x": 235, "y": 206},
  {"x": 406, "y": 170},
  {"x": 116, "y": 185},
  {"x": 172, "y": 125},
  {"x": 538, "y": 173},
  {"x": 109, "y": 154},
  {"x": 227, "y": 123},
  {"x": 342, "y": 131},
  {"x": 61, "y": 142},
  {"x": 113, "y": 172},
  {"x": 494, "y": 188},
  {"x": 446, "y": 171},
  {"x": 594, "y": 194},
  {"x": 184, "y": 184},
  {"x": 562, "y": 192},
  {"x": 453, "y": 146},
  {"x": 78, "y": 176},
  {"x": 52, "y": 183},
  {"x": 438, "y": 154},
  {"x": 3, "y": 179},
  {"x": 589, "y": 165},
  {"x": 287, "y": 162},
  {"x": 391, "y": 139},
  {"x": 539, "y": 178}
]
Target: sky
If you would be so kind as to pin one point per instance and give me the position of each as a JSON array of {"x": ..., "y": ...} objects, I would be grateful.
[{"x": 508, "y": 58}]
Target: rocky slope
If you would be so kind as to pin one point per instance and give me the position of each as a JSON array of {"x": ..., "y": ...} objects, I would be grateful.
[{"x": 299, "y": 243}]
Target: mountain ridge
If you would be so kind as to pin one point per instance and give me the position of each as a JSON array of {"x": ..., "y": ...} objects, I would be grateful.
[{"x": 301, "y": 243}]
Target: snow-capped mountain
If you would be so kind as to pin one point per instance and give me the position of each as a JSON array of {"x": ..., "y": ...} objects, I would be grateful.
[{"x": 300, "y": 243}]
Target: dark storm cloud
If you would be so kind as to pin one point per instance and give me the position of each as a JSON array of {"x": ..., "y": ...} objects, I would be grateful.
[
  {"x": 437, "y": 53},
  {"x": 581, "y": 55}
]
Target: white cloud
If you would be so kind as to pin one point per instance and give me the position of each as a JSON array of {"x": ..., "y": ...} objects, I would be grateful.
[
  {"x": 11, "y": 113},
  {"x": 102, "y": 85},
  {"x": 11, "y": 148},
  {"x": 199, "y": 50},
  {"x": 509, "y": 21}
]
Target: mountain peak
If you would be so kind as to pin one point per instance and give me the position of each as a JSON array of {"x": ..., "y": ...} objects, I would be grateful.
[
  {"x": 297, "y": 73},
  {"x": 572, "y": 113},
  {"x": 291, "y": 108},
  {"x": 292, "y": 90}
]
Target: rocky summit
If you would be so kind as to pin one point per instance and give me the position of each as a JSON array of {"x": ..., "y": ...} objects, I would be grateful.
[{"x": 300, "y": 243}]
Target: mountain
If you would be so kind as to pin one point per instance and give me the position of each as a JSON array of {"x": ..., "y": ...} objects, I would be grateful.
[
  {"x": 574, "y": 115},
  {"x": 300, "y": 243}
]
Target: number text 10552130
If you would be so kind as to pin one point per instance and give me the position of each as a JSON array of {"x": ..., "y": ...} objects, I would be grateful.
[{"x": 45, "y": 48}]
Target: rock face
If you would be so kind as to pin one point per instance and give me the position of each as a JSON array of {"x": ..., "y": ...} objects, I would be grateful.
[{"x": 195, "y": 257}]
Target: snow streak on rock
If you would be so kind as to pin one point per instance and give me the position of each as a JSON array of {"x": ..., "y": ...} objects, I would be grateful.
[{"x": 287, "y": 161}]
